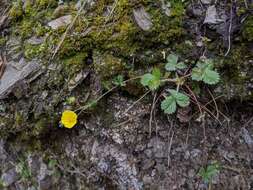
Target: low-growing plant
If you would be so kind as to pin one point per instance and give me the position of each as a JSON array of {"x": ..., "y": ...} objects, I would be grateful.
[
  {"x": 203, "y": 71},
  {"x": 207, "y": 173},
  {"x": 173, "y": 97}
]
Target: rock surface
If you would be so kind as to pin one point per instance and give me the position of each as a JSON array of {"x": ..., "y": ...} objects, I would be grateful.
[
  {"x": 142, "y": 18},
  {"x": 15, "y": 73},
  {"x": 60, "y": 22}
]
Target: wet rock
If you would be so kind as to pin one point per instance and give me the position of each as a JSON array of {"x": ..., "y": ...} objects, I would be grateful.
[
  {"x": 9, "y": 177},
  {"x": 60, "y": 22},
  {"x": 14, "y": 75},
  {"x": 142, "y": 19},
  {"x": 212, "y": 16}
]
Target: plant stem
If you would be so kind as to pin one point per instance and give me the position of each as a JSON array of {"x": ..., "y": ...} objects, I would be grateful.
[{"x": 86, "y": 106}]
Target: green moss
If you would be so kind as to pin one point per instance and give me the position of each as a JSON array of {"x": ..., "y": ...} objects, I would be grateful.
[
  {"x": 75, "y": 63},
  {"x": 29, "y": 10},
  {"x": 247, "y": 32},
  {"x": 42, "y": 4},
  {"x": 19, "y": 119},
  {"x": 40, "y": 127},
  {"x": 32, "y": 51},
  {"x": 16, "y": 11},
  {"x": 25, "y": 28},
  {"x": 107, "y": 65},
  {"x": 2, "y": 41},
  {"x": 40, "y": 30}
]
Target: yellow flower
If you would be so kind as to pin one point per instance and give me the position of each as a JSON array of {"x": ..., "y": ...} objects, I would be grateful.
[{"x": 69, "y": 119}]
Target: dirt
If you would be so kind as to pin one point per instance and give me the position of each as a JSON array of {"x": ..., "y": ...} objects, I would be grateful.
[{"x": 117, "y": 145}]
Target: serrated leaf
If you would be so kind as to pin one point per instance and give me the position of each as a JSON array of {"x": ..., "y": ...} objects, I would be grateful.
[
  {"x": 119, "y": 81},
  {"x": 211, "y": 77},
  {"x": 156, "y": 73},
  {"x": 181, "y": 99},
  {"x": 145, "y": 79},
  {"x": 181, "y": 65},
  {"x": 152, "y": 80},
  {"x": 168, "y": 105},
  {"x": 154, "y": 84},
  {"x": 173, "y": 92},
  {"x": 172, "y": 62},
  {"x": 172, "y": 58},
  {"x": 170, "y": 67},
  {"x": 209, "y": 172},
  {"x": 204, "y": 72},
  {"x": 196, "y": 74}
]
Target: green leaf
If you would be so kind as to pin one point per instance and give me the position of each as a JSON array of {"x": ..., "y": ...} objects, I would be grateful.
[
  {"x": 145, "y": 79},
  {"x": 172, "y": 58},
  {"x": 156, "y": 73},
  {"x": 119, "y": 81},
  {"x": 154, "y": 84},
  {"x": 172, "y": 62},
  {"x": 204, "y": 72},
  {"x": 211, "y": 77},
  {"x": 196, "y": 74},
  {"x": 168, "y": 105},
  {"x": 181, "y": 99},
  {"x": 209, "y": 172},
  {"x": 181, "y": 65},
  {"x": 152, "y": 80}
]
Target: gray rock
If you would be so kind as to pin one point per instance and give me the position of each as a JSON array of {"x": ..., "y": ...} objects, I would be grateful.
[
  {"x": 60, "y": 22},
  {"x": 35, "y": 40},
  {"x": 14, "y": 75},
  {"x": 77, "y": 79},
  {"x": 212, "y": 16},
  {"x": 142, "y": 18},
  {"x": 9, "y": 177},
  {"x": 206, "y": 2},
  {"x": 148, "y": 163},
  {"x": 166, "y": 6}
]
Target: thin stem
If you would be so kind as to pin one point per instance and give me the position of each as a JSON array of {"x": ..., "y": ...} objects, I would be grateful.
[
  {"x": 137, "y": 101},
  {"x": 82, "y": 108}
]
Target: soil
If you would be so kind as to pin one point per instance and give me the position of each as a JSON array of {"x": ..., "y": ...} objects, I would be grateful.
[{"x": 124, "y": 142}]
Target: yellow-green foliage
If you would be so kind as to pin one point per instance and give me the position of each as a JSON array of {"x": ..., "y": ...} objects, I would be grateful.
[
  {"x": 46, "y": 3},
  {"x": 167, "y": 29},
  {"x": 25, "y": 29},
  {"x": 74, "y": 63},
  {"x": 248, "y": 29},
  {"x": 32, "y": 51},
  {"x": 107, "y": 65},
  {"x": 16, "y": 10}
]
